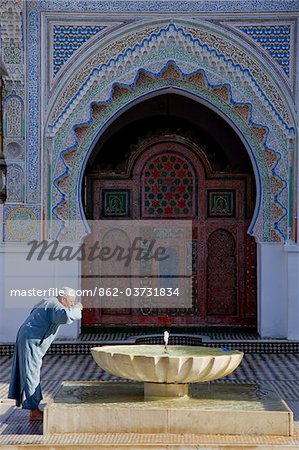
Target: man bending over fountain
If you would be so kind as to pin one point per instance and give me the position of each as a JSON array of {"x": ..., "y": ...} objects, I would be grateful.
[{"x": 33, "y": 340}]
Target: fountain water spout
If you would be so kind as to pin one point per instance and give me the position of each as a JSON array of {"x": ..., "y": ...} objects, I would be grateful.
[{"x": 166, "y": 337}]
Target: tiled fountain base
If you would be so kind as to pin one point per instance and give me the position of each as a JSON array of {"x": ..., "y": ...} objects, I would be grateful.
[{"x": 214, "y": 409}]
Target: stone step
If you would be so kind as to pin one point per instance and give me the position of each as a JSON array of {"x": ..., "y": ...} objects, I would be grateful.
[{"x": 135, "y": 441}]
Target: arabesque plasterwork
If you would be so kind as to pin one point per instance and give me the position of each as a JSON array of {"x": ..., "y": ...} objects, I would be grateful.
[{"x": 233, "y": 83}]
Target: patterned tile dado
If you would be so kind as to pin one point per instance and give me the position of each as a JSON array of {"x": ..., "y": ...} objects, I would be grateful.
[{"x": 82, "y": 347}]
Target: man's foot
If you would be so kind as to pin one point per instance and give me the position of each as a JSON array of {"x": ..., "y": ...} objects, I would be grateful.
[{"x": 35, "y": 415}]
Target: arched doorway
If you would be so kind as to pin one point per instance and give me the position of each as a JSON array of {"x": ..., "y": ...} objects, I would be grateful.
[{"x": 173, "y": 158}]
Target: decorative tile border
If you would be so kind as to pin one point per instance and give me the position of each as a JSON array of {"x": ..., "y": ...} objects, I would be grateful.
[
  {"x": 33, "y": 106},
  {"x": 192, "y": 6},
  {"x": 21, "y": 223},
  {"x": 206, "y": 45},
  {"x": 15, "y": 182},
  {"x": 83, "y": 348}
]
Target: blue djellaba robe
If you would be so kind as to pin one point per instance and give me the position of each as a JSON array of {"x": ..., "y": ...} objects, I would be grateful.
[{"x": 33, "y": 340}]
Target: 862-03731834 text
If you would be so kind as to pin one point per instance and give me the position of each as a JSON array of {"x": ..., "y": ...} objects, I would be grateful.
[{"x": 101, "y": 292}]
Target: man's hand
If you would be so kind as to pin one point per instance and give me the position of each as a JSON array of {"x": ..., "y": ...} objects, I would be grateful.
[{"x": 79, "y": 305}]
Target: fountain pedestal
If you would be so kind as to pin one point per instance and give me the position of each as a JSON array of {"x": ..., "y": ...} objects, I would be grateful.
[
  {"x": 120, "y": 407},
  {"x": 159, "y": 391}
]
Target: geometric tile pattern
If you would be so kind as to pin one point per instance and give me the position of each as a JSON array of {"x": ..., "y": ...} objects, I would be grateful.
[
  {"x": 15, "y": 183},
  {"x": 149, "y": 6},
  {"x": 21, "y": 223},
  {"x": 168, "y": 185},
  {"x": 14, "y": 150},
  {"x": 83, "y": 347},
  {"x": 69, "y": 38},
  {"x": 14, "y": 114},
  {"x": 283, "y": 369},
  {"x": 279, "y": 372},
  {"x": 212, "y": 335},
  {"x": 161, "y": 441},
  {"x": 273, "y": 38}
]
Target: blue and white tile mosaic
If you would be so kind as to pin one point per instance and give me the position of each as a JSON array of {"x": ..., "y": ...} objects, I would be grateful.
[
  {"x": 169, "y": 5},
  {"x": 22, "y": 223},
  {"x": 69, "y": 38},
  {"x": 275, "y": 39}
]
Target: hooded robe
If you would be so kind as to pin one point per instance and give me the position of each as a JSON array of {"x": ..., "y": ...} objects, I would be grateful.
[{"x": 33, "y": 340}]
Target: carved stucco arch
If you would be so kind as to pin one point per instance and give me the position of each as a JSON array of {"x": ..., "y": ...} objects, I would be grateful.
[{"x": 166, "y": 57}]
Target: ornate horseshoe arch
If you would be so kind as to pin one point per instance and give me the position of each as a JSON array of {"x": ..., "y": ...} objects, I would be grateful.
[{"x": 156, "y": 58}]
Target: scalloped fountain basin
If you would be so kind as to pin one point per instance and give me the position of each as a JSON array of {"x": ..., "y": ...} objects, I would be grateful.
[{"x": 166, "y": 374}]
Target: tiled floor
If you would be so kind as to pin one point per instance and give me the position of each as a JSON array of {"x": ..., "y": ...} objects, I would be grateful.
[
  {"x": 119, "y": 336},
  {"x": 246, "y": 342},
  {"x": 277, "y": 371}
]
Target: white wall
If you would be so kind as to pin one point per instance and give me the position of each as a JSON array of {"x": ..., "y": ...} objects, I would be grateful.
[
  {"x": 278, "y": 290},
  {"x": 16, "y": 273},
  {"x": 292, "y": 253},
  {"x": 272, "y": 290}
]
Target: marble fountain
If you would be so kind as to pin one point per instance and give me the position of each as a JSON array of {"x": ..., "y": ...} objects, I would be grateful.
[
  {"x": 169, "y": 392},
  {"x": 166, "y": 371}
]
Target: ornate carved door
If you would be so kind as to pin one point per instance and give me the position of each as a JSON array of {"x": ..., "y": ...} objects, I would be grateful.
[{"x": 170, "y": 178}]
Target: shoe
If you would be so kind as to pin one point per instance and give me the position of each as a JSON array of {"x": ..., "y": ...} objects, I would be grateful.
[{"x": 36, "y": 415}]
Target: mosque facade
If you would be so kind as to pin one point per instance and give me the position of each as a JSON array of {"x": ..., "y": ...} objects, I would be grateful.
[{"x": 153, "y": 110}]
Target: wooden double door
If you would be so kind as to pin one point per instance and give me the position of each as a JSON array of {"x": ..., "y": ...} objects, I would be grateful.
[{"x": 170, "y": 178}]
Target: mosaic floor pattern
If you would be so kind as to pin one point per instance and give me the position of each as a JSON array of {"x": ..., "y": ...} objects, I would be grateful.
[
  {"x": 123, "y": 336},
  {"x": 276, "y": 371}
]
